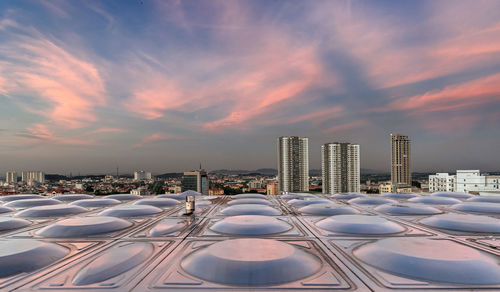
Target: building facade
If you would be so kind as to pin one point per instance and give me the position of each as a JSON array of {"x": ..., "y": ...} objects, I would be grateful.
[
  {"x": 293, "y": 164},
  {"x": 390, "y": 188},
  {"x": 11, "y": 177},
  {"x": 142, "y": 175},
  {"x": 340, "y": 168},
  {"x": 442, "y": 182},
  {"x": 465, "y": 181},
  {"x": 31, "y": 177},
  {"x": 196, "y": 180},
  {"x": 272, "y": 189},
  {"x": 400, "y": 160},
  {"x": 140, "y": 191}
]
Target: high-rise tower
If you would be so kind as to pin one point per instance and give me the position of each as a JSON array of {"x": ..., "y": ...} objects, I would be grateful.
[
  {"x": 196, "y": 180},
  {"x": 400, "y": 160},
  {"x": 11, "y": 177},
  {"x": 293, "y": 164},
  {"x": 340, "y": 168}
]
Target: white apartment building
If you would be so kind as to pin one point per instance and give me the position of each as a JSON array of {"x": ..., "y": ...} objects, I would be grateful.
[
  {"x": 293, "y": 164},
  {"x": 442, "y": 182},
  {"x": 142, "y": 175},
  {"x": 340, "y": 168},
  {"x": 472, "y": 180},
  {"x": 464, "y": 181},
  {"x": 11, "y": 177},
  {"x": 31, "y": 177},
  {"x": 255, "y": 184}
]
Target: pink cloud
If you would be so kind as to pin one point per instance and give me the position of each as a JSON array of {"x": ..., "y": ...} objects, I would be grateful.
[
  {"x": 467, "y": 39},
  {"x": 6, "y": 23},
  {"x": 2, "y": 84},
  {"x": 154, "y": 138},
  {"x": 476, "y": 92},
  {"x": 71, "y": 86},
  {"x": 107, "y": 130},
  {"x": 261, "y": 81},
  {"x": 265, "y": 68},
  {"x": 270, "y": 82},
  {"x": 41, "y": 133},
  {"x": 321, "y": 115},
  {"x": 151, "y": 103}
]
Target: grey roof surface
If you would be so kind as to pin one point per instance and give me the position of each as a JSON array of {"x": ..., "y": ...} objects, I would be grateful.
[{"x": 297, "y": 242}]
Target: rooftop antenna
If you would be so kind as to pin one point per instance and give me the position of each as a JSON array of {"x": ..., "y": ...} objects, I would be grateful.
[
  {"x": 200, "y": 165},
  {"x": 117, "y": 173}
]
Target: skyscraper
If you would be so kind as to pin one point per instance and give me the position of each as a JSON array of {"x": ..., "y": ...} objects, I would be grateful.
[
  {"x": 142, "y": 175},
  {"x": 293, "y": 164},
  {"x": 400, "y": 160},
  {"x": 11, "y": 177},
  {"x": 196, "y": 180},
  {"x": 30, "y": 177},
  {"x": 340, "y": 167}
]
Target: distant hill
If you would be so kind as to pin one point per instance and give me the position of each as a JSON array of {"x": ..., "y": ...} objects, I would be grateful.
[
  {"x": 373, "y": 171},
  {"x": 170, "y": 175},
  {"x": 55, "y": 177},
  {"x": 273, "y": 171},
  {"x": 264, "y": 171}
]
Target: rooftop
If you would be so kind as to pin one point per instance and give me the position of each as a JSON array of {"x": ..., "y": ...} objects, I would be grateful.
[{"x": 301, "y": 242}]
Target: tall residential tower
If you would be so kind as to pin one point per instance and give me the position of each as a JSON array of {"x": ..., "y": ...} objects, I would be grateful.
[
  {"x": 293, "y": 164},
  {"x": 400, "y": 160},
  {"x": 11, "y": 177},
  {"x": 340, "y": 168},
  {"x": 31, "y": 177}
]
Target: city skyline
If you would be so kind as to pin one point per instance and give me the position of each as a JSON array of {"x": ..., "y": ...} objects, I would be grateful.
[{"x": 164, "y": 85}]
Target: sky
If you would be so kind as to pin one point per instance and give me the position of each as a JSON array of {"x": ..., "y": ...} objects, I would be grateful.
[{"x": 88, "y": 86}]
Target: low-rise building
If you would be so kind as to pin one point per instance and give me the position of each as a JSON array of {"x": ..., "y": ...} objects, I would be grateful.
[
  {"x": 391, "y": 188},
  {"x": 272, "y": 189},
  {"x": 255, "y": 184},
  {"x": 385, "y": 188},
  {"x": 215, "y": 192},
  {"x": 464, "y": 181},
  {"x": 442, "y": 182},
  {"x": 140, "y": 191}
]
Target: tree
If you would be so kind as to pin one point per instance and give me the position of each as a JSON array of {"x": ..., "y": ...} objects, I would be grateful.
[{"x": 157, "y": 188}]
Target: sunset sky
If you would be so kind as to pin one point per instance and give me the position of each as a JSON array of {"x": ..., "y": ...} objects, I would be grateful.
[{"x": 86, "y": 86}]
